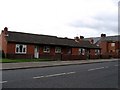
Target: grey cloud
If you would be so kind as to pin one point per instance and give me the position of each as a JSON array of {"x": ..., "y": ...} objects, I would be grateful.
[{"x": 101, "y": 22}]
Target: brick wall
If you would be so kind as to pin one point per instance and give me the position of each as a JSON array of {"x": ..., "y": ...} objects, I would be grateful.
[
  {"x": 93, "y": 55},
  {"x": 103, "y": 46},
  {"x": 3, "y": 43},
  {"x": 11, "y": 51},
  {"x": 111, "y": 48},
  {"x": 30, "y": 49},
  {"x": 75, "y": 51},
  {"x": 109, "y": 51},
  {"x": 11, "y": 48}
]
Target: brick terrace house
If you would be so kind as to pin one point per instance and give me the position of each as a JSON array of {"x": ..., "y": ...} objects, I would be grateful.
[
  {"x": 26, "y": 45},
  {"x": 110, "y": 45}
]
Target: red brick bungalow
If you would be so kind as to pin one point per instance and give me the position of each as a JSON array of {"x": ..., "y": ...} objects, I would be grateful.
[{"x": 26, "y": 45}]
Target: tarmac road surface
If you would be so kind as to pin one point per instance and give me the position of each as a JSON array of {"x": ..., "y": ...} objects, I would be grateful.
[{"x": 94, "y": 75}]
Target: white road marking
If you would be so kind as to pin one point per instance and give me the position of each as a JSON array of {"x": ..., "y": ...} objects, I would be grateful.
[
  {"x": 91, "y": 69},
  {"x": 38, "y": 77},
  {"x": 116, "y": 65},
  {"x": 100, "y": 68},
  {"x": 70, "y": 72},
  {"x": 53, "y": 75},
  {"x": 95, "y": 68},
  {"x": 3, "y": 81}
]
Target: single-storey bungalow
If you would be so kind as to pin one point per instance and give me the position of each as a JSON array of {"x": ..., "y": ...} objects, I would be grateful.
[{"x": 27, "y": 45}]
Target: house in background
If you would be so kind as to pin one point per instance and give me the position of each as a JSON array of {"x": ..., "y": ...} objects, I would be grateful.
[
  {"x": 92, "y": 51},
  {"x": 110, "y": 45},
  {"x": 26, "y": 45}
]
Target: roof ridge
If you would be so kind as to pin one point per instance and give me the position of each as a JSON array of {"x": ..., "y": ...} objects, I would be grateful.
[
  {"x": 40, "y": 35},
  {"x": 31, "y": 33},
  {"x": 100, "y": 37},
  {"x": 113, "y": 36}
]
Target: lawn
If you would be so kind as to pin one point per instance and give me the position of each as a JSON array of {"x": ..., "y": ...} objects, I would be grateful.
[{"x": 22, "y": 60}]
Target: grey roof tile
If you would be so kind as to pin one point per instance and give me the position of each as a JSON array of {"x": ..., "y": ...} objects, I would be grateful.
[
  {"x": 108, "y": 39},
  {"x": 20, "y": 37}
]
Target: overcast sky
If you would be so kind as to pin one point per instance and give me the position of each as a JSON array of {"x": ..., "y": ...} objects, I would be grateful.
[{"x": 62, "y": 18}]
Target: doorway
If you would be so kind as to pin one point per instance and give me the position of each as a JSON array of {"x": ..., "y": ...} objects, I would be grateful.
[
  {"x": 36, "y": 52},
  {"x": 88, "y": 54}
]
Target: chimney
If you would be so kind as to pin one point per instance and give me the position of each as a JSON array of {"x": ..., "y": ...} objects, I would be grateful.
[
  {"x": 6, "y": 31},
  {"x": 91, "y": 40},
  {"x": 76, "y": 39},
  {"x": 103, "y": 35},
  {"x": 81, "y": 37}
]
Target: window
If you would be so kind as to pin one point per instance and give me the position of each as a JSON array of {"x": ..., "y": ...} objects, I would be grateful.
[
  {"x": 79, "y": 51},
  {"x": 69, "y": 51},
  {"x": 82, "y": 51},
  {"x": 97, "y": 51},
  {"x": 112, "y": 44},
  {"x": 20, "y": 48},
  {"x": 98, "y": 45},
  {"x": 57, "y": 50},
  {"x": 46, "y": 49}
]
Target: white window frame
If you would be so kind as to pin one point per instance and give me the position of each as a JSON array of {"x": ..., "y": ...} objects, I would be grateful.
[
  {"x": 22, "y": 50},
  {"x": 81, "y": 51},
  {"x": 97, "y": 51},
  {"x": 69, "y": 51},
  {"x": 46, "y": 49},
  {"x": 57, "y": 49},
  {"x": 113, "y": 44}
]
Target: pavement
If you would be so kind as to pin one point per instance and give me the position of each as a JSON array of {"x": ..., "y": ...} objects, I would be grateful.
[{"x": 27, "y": 65}]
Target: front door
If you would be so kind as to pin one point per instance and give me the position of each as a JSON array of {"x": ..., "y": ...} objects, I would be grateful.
[
  {"x": 88, "y": 54},
  {"x": 36, "y": 52}
]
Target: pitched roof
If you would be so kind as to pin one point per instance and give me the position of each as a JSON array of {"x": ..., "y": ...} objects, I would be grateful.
[
  {"x": 111, "y": 38},
  {"x": 108, "y": 39},
  {"x": 20, "y": 37},
  {"x": 94, "y": 38}
]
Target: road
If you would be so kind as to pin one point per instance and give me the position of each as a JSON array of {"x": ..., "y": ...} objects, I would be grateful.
[{"x": 96, "y": 75}]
